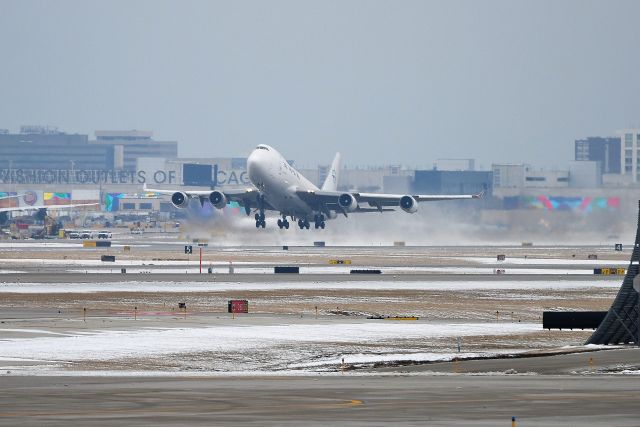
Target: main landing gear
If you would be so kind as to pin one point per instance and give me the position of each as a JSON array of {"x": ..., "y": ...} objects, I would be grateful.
[
  {"x": 260, "y": 222},
  {"x": 303, "y": 223},
  {"x": 283, "y": 223},
  {"x": 318, "y": 222}
]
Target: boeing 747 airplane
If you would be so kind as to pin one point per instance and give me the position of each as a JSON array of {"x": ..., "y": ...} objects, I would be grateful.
[{"x": 279, "y": 187}]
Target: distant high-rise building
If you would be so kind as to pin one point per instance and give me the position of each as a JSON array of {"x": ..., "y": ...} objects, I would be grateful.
[
  {"x": 598, "y": 149},
  {"x": 45, "y": 147},
  {"x": 629, "y": 161}
]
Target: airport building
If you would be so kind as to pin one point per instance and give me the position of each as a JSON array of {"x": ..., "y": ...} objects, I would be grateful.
[
  {"x": 452, "y": 182},
  {"x": 629, "y": 161},
  {"x": 43, "y": 155},
  {"x": 54, "y": 167},
  {"x": 129, "y": 146},
  {"x": 518, "y": 177},
  {"x": 40, "y": 148}
]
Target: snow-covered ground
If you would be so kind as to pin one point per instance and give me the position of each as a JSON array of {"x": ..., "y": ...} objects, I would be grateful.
[
  {"x": 512, "y": 266},
  {"x": 319, "y": 346},
  {"x": 188, "y": 287},
  {"x": 334, "y": 270},
  {"x": 532, "y": 261}
]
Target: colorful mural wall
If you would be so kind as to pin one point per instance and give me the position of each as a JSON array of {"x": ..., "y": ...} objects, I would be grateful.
[
  {"x": 56, "y": 198},
  {"x": 571, "y": 204},
  {"x": 7, "y": 200},
  {"x": 112, "y": 201}
]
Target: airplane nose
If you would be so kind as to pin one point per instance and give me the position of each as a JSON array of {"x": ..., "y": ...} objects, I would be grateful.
[
  {"x": 251, "y": 161},
  {"x": 254, "y": 165}
]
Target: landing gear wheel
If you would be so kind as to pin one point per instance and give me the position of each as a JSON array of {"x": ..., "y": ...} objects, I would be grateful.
[
  {"x": 318, "y": 221},
  {"x": 283, "y": 223}
]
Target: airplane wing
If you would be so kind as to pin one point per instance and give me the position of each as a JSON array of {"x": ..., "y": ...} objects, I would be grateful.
[
  {"x": 47, "y": 207},
  {"x": 191, "y": 193},
  {"x": 394, "y": 199},
  {"x": 330, "y": 200},
  {"x": 237, "y": 195},
  {"x": 246, "y": 197}
]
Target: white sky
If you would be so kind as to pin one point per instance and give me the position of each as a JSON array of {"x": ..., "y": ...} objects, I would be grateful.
[{"x": 382, "y": 81}]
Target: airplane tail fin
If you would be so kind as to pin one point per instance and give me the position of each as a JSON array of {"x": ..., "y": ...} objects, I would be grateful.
[{"x": 331, "y": 181}]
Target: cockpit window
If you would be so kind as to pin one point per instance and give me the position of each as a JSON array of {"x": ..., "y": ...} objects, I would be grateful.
[{"x": 261, "y": 147}]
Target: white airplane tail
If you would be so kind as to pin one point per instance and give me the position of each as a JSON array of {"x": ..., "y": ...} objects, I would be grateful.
[{"x": 333, "y": 175}]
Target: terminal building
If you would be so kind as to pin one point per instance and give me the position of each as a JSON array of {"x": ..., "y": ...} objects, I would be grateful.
[
  {"x": 452, "y": 182},
  {"x": 129, "y": 146},
  {"x": 40, "y": 148}
]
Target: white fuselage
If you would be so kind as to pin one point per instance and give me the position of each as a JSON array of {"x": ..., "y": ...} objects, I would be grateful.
[{"x": 278, "y": 181}]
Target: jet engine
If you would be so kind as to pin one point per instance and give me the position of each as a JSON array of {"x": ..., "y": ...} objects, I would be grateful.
[
  {"x": 218, "y": 199},
  {"x": 180, "y": 199},
  {"x": 347, "y": 202},
  {"x": 408, "y": 204}
]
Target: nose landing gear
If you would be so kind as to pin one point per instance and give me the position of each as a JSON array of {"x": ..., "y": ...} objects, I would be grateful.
[{"x": 260, "y": 222}]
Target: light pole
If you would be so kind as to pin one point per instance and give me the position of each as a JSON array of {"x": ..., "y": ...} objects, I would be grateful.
[
  {"x": 636, "y": 287},
  {"x": 72, "y": 163}
]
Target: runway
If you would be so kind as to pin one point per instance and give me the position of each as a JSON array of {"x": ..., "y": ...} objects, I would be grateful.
[
  {"x": 342, "y": 400},
  {"x": 81, "y": 345}
]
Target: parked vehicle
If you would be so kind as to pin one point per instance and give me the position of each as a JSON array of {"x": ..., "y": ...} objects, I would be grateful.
[{"x": 104, "y": 234}]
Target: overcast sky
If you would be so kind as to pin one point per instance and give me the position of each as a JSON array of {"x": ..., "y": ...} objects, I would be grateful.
[{"x": 402, "y": 82}]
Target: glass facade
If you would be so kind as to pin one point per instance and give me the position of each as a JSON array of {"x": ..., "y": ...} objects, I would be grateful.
[
  {"x": 59, "y": 151},
  {"x": 603, "y": 150},
  {"x": 630, "y": 163},
  {"x": 135, "y": 144}
]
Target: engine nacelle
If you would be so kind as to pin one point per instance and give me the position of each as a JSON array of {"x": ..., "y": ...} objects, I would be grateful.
[
  {"x": 218, "y": 199},
  {"x": 347, "y": 202},
  {"x": 180, "y": 199},
  {"x": 408, "y": 204}
]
